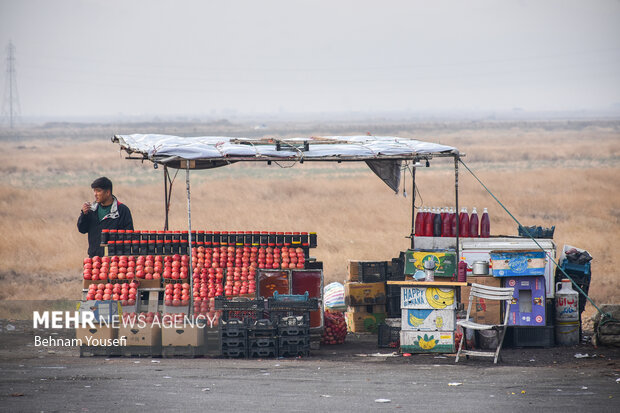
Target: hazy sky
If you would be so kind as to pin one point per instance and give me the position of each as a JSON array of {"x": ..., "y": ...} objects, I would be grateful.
[{"x": 105, "y": 57}]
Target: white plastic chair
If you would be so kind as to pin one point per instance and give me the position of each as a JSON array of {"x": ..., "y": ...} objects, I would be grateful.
[{"x": 488, "y": 293}]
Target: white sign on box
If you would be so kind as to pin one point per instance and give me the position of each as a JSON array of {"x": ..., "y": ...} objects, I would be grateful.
[
  {"x": 428, "y": 320},
  {"x": 431, "y": 298}
]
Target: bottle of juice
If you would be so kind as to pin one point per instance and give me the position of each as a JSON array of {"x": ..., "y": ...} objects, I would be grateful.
[
  {"x": 473, "y": 224},
  {"x": 446, "y": 224},
  {"x": 428, "y": 223},
  {"x": 464, "y": 223},
  {"x": 419, "y": 222},
  {"x": 485, "y": 224},
  {"x": 452, "y": 222},
  {"x": 437, "y": 223}
]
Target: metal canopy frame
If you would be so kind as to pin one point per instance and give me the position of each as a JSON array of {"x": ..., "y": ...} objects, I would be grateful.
[{"x": 178, "y": 162}]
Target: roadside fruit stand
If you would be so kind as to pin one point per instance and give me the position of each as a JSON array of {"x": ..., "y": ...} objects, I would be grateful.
[
  {"x": 217, "y": 278},
  {"x": 260, "y": 293}
]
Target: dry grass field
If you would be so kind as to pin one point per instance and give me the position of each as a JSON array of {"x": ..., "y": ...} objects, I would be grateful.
[{"x": 558, "y": 173}]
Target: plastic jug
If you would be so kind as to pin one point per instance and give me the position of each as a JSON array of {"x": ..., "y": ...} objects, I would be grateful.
[
  {"x": 566, "y": 302},
  {"x": 419, "y": 222},
  {"x": 485, "y": 224},
  {"x": 428, "y": 222},
  {"x": 464, "y": 223},
  {"x": 473, "y": 224},
  {"x": 446, "y": 224},
  {"x": 437, "y": 224},
  {"x": 566, "y": 315}
]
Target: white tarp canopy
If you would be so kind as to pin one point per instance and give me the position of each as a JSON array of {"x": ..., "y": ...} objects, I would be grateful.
[{"x": 383, "y": 154}]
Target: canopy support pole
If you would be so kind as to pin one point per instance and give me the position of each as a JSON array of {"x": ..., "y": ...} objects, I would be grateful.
[
  {"x": 412, "y": 206},
  {"x": 456, "y": 196},
  {"x": 189, "y": 239},
  {"x": 166, "y": 200}
]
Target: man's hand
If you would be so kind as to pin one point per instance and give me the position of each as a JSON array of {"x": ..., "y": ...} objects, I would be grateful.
[{"x": 86, "y": 208}]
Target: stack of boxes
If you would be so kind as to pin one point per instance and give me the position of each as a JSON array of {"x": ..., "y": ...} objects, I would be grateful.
[{"x": 365, "y": 295}]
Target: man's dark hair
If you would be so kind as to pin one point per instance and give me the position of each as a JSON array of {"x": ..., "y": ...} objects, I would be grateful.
[{"x": 102, "y": 183}]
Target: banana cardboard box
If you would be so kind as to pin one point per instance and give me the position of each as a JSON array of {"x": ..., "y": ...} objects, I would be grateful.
[
  {"x": 428, "y": 320},
  {"x": 427, "y": 341},
  {"x": 364, "y": 322},
  {"x": 429, "y": 298}
]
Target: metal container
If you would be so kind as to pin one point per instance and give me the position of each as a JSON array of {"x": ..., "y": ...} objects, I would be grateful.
[{"x": 480, "y": 268}]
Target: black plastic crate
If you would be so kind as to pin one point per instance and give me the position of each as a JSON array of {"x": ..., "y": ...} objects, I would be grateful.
[
  {"x": 262, "y": 352},
  {"x": 392, "y": 307},
  {"x": 371, "y": 271},
  {"x": 235, "y": 352},
  {"x": 293, "y": 331},
  {"x": 233, "y": 342},
  {"x": 294, "y": 351},
  {"x": 397, "y": 272},
  {"x": 287, "y": 320},
  {"x": 280, "y": 305},
  {"x": 313, "y": 265},
  {"x": 246, "y": 316},
  {"x": 233, "y": 328},
  {"x": 262, "y": 328},
  {"x": 239, "y": 304},
  {"x": 284, "y": 318},
  {"x": 388, "y": 336},
  {"x": 261, "y": 342},
  {"x": 301, "y": 340},
  {"x": 392, "y": 290},
  {"x": 529, "y": 336}
]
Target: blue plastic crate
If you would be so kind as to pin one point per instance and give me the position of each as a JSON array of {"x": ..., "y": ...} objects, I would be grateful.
[{"x": 569, "y": 266}]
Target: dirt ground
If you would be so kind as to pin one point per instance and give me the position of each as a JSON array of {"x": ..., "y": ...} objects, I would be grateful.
[{"x": 354, "y": 376}]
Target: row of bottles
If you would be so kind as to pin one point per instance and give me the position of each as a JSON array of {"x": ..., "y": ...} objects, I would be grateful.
[{"x": 441, "y": 222}]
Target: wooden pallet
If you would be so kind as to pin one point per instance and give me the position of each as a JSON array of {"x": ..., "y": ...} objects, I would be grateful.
[
  {"x": 100, "y": 351},
  {"x": 141, "y": 351},
  {"x": 182, "y": 351}
]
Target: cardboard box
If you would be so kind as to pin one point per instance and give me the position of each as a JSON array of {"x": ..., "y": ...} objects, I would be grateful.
[
  {"x": 150, "y": 283},
  {"x": 430, "y": 298},
  {"x": 363, "y": 322},
  {"x": 445, "y": 262},
  {"x": 87, "y": 283},
  {"x": 483, "y": 311},
  {"x": 187, "y": 335},
  {"x": 149, "y": 335},
  {"x": 364, "y": 293},
  {"x": 428, "y": 320},
  {"x": 98, "y": 333},
  {"x": 367, "y": 271},
  {"x": 101, "y": 310},
  {"x": 518, "y": 263},
  {"x": 427, "y": 342},
  {"x": 371, "y": 309}
]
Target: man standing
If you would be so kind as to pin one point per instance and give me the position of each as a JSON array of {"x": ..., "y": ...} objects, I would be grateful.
[{"x": 105, "y": 213}]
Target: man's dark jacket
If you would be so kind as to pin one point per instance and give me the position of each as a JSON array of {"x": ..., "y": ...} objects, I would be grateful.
[{"x": 90, "y": 224}]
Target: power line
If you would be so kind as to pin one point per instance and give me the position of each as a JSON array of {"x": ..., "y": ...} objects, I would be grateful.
[{"x": 10, "y": 103}]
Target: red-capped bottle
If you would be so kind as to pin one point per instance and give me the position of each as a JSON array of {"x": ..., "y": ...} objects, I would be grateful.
[
  {"x": 446, "y": 224},
  {"x": 428, "y": 222},
  {"x": 464, "y": 223},
  {"x": 453, "y": 219},
  {"x": 485, "y": 224},
  {"x": 419, "y": 222},
  {"x": 473, "y": 224}
]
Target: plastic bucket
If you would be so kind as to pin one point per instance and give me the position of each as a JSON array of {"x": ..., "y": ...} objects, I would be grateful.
[{"x": 487, "y": 339}]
